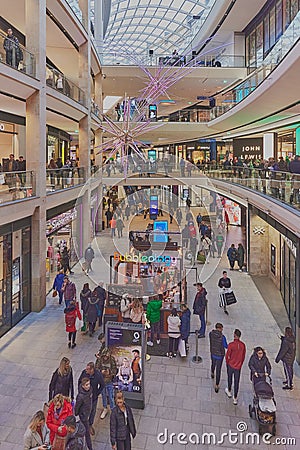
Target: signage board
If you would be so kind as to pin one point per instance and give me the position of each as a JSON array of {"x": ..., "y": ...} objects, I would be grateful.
[
  {"x": 126, "y": 342},
  {"x": 153, "y": 113},
  {"x": 250, "y": 148},
  {"x": 160, "y": 228},
  {"x": 153, "y": 211}
]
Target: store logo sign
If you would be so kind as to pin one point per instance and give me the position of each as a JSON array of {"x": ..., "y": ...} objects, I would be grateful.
[{"x": 166, "y": 260}]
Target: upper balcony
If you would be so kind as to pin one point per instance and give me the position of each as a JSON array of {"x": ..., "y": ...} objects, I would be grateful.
[
  {"x": 284, "y": 187},
  {"x": 16, "y": 55},
  {"x": 16, "y": 186},
  {"x": 62, "y": 84}
]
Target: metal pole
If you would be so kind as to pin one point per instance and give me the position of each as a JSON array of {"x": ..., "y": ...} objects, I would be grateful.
[{"x": 197, "y": 359}]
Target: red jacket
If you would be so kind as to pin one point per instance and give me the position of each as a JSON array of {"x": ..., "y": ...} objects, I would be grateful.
[
  {"x": 53, "y": 422},
  {"x": 235, "y": 354},
  {"x": 70, "y": 318}
]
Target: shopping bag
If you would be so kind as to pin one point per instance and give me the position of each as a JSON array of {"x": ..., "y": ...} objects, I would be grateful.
[
  {"x": 230, "y": 298},
  {"x": 78, "y": 323},
  {"x": 181, "y": 348},
  {"x": 59, "y": 443},
  {"x": 54, "y": 293},
  {"x": 222, "y": 301},
  {"x": 2, "y": 178}
]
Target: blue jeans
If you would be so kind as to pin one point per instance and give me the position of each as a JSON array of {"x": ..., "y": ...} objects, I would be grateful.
[
  {"x": 60, "y": 296},
  {"x": 108, "y": 391},
  {"x": 203, "y": 324},
  {"x": 93, "y": 411}
]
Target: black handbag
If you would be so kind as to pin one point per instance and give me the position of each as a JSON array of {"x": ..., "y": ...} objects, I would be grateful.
[{"x": 230, "y": 298}]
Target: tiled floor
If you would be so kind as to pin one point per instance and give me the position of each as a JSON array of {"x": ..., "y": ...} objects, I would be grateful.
[{"x": 179, "y": 394}]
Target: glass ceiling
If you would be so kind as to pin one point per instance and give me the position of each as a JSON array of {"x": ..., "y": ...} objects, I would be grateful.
[{"x": 159, "y": 25}]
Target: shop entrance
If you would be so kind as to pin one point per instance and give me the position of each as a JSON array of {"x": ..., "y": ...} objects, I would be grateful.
[{"x": 288, "y": 280}]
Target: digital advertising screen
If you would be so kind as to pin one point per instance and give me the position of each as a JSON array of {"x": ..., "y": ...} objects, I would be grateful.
[
  {"x": 126, "y": 344},
  {"x": 152, "y": 155},
  {"x": 153, "y": 112},
  {"x": 160, "y": 228},
  {"x": 153, "y": 212}
]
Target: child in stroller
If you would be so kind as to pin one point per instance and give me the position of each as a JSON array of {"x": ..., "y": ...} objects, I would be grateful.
[{"x": 263, "y": 407}]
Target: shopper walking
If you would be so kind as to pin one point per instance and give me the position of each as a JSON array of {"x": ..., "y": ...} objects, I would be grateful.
[
  {"x": 178, "y": 216},
  {"x": 83, "y": 407},
  {"x": 122, "y": 426},
  {"x": 219, "y": 243},
  {"x": 120, "y": 225},
  {"x": 218, "y": 345},
  {"x": 85, "y": 295},
  {"x": 71, "y": 313},
  {"x": 235, "y": 357},
  {"x": 173, "y": 333},
  {"x": 62, "y": 380},
  {"x": 287, "y": 354},
  {"x": 106, "y": 363},
  {"x": 92, "y": 311},
  {"x": 199, "y": 307},
  {"x": 101, "y": 295},
  {"x": 113, "y": 225},
  {"x": 65, "y": 260},
  {"x": 109, "y": 216},
  {"x": 259, "y": 365},
  {"x": 153, "y": 315},
  {"x": 59, "y": 409},
  {"x": 232, "y": 256},
  {"x": 97, "y": 385},
  {"x": 125, "y": 307},
  {"x": 224, "y": 285},
  {"x": 69, "y": 291},
  {"x": 240, "y": 256},
  {"x": 75, "y": 439},
  {"x": 185, "y": 325},
  {"x": 37, "y": 434},
  {"x": 58, "y": 284},
  {"x": 89, "y": 255}
]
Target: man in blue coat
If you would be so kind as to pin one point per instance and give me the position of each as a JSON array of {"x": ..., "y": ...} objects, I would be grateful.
[{"x": 58, "y": 284}]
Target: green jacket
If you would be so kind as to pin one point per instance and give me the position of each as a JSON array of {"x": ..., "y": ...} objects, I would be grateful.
[{"x": 153, "y": 311}]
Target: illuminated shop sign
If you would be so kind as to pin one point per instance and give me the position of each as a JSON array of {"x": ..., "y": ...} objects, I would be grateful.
[
  {"x": 251, "y": 148},
  {"x": 161, "y": 259}
]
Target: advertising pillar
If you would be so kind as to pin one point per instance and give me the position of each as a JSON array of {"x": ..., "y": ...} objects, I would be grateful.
[{"x": 126, "y": 342}]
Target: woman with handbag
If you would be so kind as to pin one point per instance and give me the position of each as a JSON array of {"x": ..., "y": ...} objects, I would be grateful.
[
  {"x": 62, "y": 380},
  {"x": 36, "y": 436},
  {"x": 60, "y": 408},
  {"x": 71, "y": 314}
]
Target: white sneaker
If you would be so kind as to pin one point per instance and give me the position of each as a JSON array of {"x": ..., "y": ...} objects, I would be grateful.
[
  {"x": 104, "y": 413},
  {"x": 235, "y": 401},
  {"x": 228, "y": 393},
  {"x": 150, "y": 343},
  {"x": 158, "y": 341}
]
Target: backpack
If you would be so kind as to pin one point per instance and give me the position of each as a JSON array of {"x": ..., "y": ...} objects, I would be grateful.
[{"x": 76, "y": 443}]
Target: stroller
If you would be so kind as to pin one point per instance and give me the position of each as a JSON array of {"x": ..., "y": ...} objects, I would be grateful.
[{"x": 263, "y": 408}]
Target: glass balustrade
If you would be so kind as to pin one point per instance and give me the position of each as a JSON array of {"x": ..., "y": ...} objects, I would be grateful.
[
  {"x": 283, "y": 186},
  {"x": 58, "y": 81},
  {"x": 112, "y": 59},
  {"x": 16, "y": 186},
  {"x": 65, "y": 178},
  {"x": 15, "y": 55}
]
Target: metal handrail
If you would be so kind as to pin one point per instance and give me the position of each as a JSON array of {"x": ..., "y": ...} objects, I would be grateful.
[
  {"x": 16, "y": 185},
  {"x": 17, "y": 56},
  {"x": 61, "y": 83}
]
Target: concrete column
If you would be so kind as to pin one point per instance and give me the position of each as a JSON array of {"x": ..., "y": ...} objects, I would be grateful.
[
  {"x": 98, "y": 25},
  {"x": 98, "y": 141},
  {"x": 213, "y": 150},
  {"x": 84, "y": 5},
  {"x": 98, "y": 91},
  {"x": 35, "y": 34},
  {"x": 259, "y": 246},
  {"x": 270, "y": 145}
]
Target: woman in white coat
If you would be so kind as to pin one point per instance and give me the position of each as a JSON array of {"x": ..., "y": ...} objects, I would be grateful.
[
  {"x": 173, "y": 333},
  {"x": 36, "y": 436}
]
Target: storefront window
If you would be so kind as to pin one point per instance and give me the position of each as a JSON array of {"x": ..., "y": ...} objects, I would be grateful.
[
  {"x": 278, "y": 19},
  {"x": 252, "y": 52},
  {"x": 266, "y": 34},
  {"x": 259, "y": 43},
  {"x": 272, "y": 27}
]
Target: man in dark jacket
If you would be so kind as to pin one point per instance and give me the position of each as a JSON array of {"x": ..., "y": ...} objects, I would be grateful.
[
  {"x": 287, "y": 354},
  {"x": 218, "y": 344},
  {"x": 76, "y": 434},
  {"x": 106, "y": 363},
  {"x": 224, "y": 284},
  {"x": 83, "y": 407},
  {"x": 101, "y": 296},
  {"x": 89, "y": 255},
  {"x": 97, "y": 385},
  {"x": 199, "y": 307}
]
